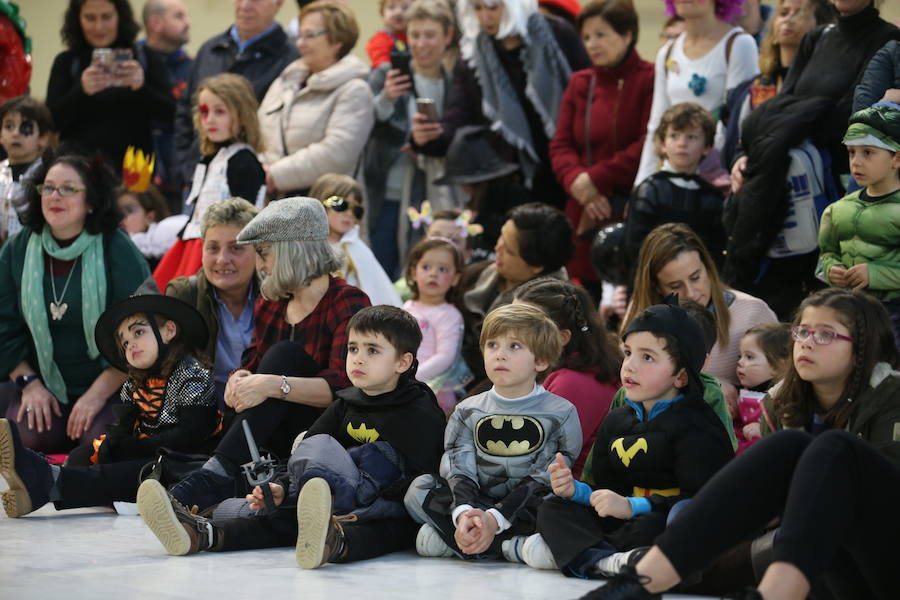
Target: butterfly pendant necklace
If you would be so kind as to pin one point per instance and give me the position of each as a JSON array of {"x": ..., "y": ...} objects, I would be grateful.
[{"x": 57, "y": 307}]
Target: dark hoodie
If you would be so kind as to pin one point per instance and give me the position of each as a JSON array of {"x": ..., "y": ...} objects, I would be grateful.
[{"x": 408, "y": 418}]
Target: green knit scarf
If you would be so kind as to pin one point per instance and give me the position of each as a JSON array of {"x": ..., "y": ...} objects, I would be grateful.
[{"x": 35, "y": 308}]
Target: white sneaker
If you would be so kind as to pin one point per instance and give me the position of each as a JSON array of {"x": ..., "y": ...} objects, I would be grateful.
[
  {"x": 512, "y": 549},
  {"x": 536, "y": 553},
  {"x": 613, "y": 564},
  {"x": 429, "y": 543}
]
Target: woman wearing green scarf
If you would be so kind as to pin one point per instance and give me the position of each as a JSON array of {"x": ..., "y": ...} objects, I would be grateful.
[{"x": 56, "y": 278}]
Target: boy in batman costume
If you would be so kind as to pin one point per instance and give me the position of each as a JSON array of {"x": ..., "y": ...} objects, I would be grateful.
[
  {"x": 355, "y": 461},
  {"x": 498, "y": 445},
  {"x": 652, "y": 453}
]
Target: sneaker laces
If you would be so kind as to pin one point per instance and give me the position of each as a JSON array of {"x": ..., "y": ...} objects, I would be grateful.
[{"x": 338, "y": 519}]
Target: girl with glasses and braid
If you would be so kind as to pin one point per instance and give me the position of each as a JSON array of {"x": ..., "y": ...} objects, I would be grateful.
[
  {"x": 588, "y": 372},
  {"x": 830, "y": 472}
]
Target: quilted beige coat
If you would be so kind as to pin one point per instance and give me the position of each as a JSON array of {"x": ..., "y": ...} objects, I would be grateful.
[{"x": 314, "y": 124}]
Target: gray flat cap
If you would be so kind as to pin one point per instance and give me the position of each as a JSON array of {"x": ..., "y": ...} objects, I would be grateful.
[{"x": 287, "y": 220}]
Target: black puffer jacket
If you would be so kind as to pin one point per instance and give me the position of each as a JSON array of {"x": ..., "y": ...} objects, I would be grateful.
[
  {"x": 815, "y": 102},
  {"x": 658, "y": 199}
]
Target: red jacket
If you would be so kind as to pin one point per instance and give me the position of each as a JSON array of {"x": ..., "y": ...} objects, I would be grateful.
[{"x": 621, "y": 108}]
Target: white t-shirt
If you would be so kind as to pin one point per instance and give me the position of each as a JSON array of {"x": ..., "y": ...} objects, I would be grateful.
[{"x": 704, "y": 80}]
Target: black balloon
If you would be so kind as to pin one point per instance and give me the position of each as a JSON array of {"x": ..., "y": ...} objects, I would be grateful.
[{"x": 608, "y": 254}]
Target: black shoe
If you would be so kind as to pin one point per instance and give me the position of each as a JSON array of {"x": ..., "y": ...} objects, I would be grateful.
[
  {"x": 26, "y": 472},
  {"x": 320, "y": 536},
  {"x": 179, "y": 530},
  {"x": 627, "y": 585},
  {"x": 202, "y": 490}
]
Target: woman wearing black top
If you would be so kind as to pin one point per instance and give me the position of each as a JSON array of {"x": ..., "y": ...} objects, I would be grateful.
[{"x": 103, "y": 91}]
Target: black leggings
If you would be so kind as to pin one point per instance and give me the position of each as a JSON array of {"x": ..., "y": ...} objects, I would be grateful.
[
  {"x": 274, "y": 423},
  {"x": 99, "y": 485},
  {"x": 837, "y": 497}
]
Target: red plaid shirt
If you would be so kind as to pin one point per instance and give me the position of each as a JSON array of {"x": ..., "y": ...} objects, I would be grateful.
[{"x": 323, "y": 333}]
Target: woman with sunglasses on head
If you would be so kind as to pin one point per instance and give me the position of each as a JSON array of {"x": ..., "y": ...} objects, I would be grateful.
[
  {"x": 342, "y": 197},
  {"x": 832, "y": 475},
  {"x": 57, "y": 275}
]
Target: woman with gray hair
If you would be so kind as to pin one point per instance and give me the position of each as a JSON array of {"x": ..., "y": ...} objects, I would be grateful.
[
  {"x": 225, "y": 288},
  {"x": 297, "y": 358},
  {"x": 514, "y": 70}
]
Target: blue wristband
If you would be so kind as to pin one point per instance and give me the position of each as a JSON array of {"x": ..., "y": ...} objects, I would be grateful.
[
  {"x": 639, "y": 506},
  {"x": 582, "y": 493}
]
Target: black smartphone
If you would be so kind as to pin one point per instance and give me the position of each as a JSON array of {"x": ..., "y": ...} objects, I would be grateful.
[
  {"x": 425, "y": 106},
  {"x": 400, "y": 61}
]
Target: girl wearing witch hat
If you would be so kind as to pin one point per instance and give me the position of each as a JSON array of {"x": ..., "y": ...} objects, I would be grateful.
[{"x": 167, "y": 401}]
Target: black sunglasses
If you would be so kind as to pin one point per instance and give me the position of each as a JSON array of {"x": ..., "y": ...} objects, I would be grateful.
[{"x": 339, "y": 205}]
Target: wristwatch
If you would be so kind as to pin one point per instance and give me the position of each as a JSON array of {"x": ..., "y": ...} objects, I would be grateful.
[
  {"x": 285, "y": 387},
  {"x": 23, "y": 380}
]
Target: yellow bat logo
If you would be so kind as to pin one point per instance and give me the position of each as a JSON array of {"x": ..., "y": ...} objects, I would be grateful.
[
  {"x": 627, "y": 455},
  {"x": 362, "y": 434}
]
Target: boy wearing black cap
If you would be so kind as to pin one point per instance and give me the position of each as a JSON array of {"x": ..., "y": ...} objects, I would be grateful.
[
  {"x": 167, "y": 400},
  {"x": 659, "y": 449}
]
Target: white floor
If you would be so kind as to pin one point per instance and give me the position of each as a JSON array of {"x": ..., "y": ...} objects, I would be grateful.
[{"x": 98, "y": 555}]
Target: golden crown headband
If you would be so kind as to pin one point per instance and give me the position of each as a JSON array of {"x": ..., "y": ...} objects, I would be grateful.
[{"x": 137, "y": 170}]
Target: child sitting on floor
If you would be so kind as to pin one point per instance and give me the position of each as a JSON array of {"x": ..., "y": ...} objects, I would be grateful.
[
  {"x": 498, "y": 445},
  {"x": 432, "y": 272},
  {"x": 145, "y": 216},
  {"x": 765, "y": 350},
  {"x": 659, "y": 449},
  {"x": 356, "y": 460},
  {"x": 167, "y": 400}
]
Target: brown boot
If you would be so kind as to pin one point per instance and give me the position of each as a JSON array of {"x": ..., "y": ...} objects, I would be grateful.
[
  {"x": 179, "y": 530},
  {"x": 320, "y": 536}
]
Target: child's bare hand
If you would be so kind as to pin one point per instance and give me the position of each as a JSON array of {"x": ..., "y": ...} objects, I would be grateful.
[
  {"x": 838, "y": 276},
  {"x": 257, "y": 499},
  {"x": 751, "y": 431},
  {"x": 858, "y": 276},
  {"x": 475, "y": 531},
  {"x": 607, "y": 503},
  {"x": 561, "y": 479},
  {"x": 466, "y": 525}
]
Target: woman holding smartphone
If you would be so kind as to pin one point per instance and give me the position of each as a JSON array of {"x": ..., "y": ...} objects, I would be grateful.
[
  {"x": 514, "y": 68},
  {"x": 395, "y": 177},
  {"x": 104, "y": 90}
]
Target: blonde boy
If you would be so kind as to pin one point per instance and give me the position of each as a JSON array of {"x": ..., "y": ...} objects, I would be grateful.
[{"x": 498, "y": 446}]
